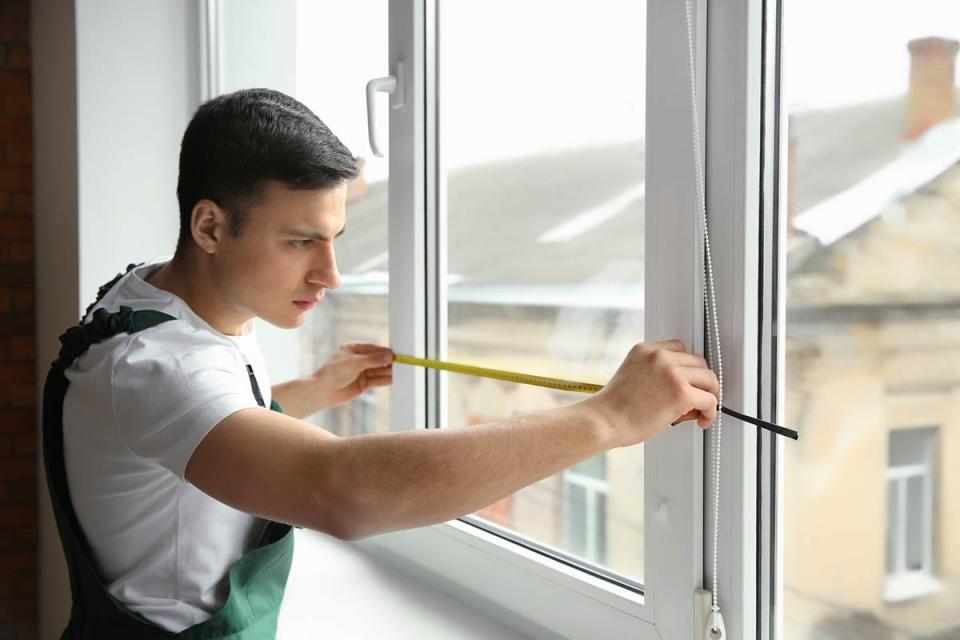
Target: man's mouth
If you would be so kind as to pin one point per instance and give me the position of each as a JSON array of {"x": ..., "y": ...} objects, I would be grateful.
[{"x": 306, "y": 305}]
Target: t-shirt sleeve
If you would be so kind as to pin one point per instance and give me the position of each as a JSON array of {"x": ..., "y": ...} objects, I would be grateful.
[{"x": 170, "y": 390}]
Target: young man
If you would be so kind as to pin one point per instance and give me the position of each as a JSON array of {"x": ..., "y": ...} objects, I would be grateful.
[{"x": 175, "y": 470}]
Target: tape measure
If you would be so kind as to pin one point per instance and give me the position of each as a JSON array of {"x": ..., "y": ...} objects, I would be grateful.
[
  {"x": 499, "y": 374},
  {"x": 559, "y": 383}
]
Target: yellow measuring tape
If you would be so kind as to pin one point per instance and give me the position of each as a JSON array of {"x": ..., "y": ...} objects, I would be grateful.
[
  {"x": 498, "y": 374},
  {"x": 558, "y": 383}
]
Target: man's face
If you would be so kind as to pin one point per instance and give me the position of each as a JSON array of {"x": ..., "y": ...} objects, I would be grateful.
[{"x": 283, "y": 259}]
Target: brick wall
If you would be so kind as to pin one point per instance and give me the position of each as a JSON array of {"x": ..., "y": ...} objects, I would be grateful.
[{"x": 18, "y": 433}]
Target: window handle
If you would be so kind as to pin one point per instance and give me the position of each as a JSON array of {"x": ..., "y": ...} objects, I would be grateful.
[{"x": 392, "y": 85}]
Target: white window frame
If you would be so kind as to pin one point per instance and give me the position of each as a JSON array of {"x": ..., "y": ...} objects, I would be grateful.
[{"x": 539, "y": 595}]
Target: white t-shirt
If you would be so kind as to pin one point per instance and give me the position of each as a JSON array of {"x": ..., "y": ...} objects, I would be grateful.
[{"x": 137, "y": 407}]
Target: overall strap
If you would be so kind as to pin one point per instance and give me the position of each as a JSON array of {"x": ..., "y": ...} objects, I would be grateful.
[
  {"x": 74, "y": 343},
  {"x": 256, "y": 581}
]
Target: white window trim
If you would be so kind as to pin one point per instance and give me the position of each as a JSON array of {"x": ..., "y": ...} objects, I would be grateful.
[{"x": 542, "y": 596}]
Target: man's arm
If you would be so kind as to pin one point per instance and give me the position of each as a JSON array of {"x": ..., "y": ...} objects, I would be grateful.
[{"x": 281, "y": 468}]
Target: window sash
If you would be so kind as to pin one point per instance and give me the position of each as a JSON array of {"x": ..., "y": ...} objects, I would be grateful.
[{"x": 515, "y": 583}]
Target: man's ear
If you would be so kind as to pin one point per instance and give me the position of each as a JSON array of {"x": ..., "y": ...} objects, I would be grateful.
[{"x": 208, "y": 225}]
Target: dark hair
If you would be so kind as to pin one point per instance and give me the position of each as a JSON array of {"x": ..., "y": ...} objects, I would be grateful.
[{"x": 236, "y": 142}]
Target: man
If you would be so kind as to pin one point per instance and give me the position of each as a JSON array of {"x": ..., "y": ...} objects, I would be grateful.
[{"x": 180, "y": 485}]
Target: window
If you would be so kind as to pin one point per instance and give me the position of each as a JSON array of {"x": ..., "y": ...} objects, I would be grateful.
[
  {"x": 545, "y": 271},
  {"x": 522, "y": 227},
  {"x": 910, "y": 514},
  {"x": 871, "y": 319},
  {"x": 585, "y": 492}
]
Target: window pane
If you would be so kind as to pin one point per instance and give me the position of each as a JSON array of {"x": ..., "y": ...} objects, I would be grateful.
[
  {"x": 576, "y": 520},
  {"x": 915, "y": 523},
  {"x": 873, "y": 323},
  {"x": 542, "y": 141},
  {"x": 894, "y": 539},
  {"x": 332, "y": 86},
  {"x": 911, "y": 446}
]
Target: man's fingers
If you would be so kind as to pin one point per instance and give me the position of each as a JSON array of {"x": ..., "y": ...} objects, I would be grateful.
[
  {"x": 701, "y": 378},
  {"x": 704, "y": 402},
  {"x": 374, "y": 351},
  {"x": 670, "y": 345},
  {"x": 689, "y": 415},
  {"x": 380, "y": 381},
  {"x": 690, "y": 360}
]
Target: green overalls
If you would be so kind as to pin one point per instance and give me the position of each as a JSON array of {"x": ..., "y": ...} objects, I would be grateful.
[{"x": 257, "y": 580}]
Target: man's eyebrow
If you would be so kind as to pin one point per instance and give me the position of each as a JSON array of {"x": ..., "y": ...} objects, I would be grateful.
[{"x": 309, "y": 233}]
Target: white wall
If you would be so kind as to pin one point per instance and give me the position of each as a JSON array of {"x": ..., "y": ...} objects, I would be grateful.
[{"x": 115, "y": 83}]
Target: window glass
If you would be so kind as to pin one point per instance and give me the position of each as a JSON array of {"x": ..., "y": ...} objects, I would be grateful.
[
  {"x": 542, "y": 144},
  {"x": 331, "y": 73},
  {"x": 873, "y": 280}
]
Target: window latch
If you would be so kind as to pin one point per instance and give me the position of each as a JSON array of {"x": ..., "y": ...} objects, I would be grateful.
[{"x": 392, "y": 85}]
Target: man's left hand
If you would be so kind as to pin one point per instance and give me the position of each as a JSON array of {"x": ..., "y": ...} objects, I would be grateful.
[{"x": 354, "y": 368}]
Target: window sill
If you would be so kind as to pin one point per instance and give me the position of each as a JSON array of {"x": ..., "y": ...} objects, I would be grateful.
[
  {"x": 532, "y": 593},
  {"x": 910, "y": 586}
]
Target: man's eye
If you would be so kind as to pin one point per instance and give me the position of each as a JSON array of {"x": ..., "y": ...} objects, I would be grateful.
[{"x": 300, "y": 244}]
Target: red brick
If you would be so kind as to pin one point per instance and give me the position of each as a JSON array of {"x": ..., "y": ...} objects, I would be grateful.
[
  {"x": 18, "y": 58},
  {"x": 15, "y": 10},
  {"x": 15, "y": 323},
  {"x": 12, "y": 252},
  {"x": 13, "y": 129},
  {"x": 4, "y": 492},
  {"x": 6, "y": 539},
  {"x": 16, "y": 227},
  {"x": 14, "y": 31},
  {"x": 18, "y": 154},
  {"x": 14, "y": 82},
  {"x": 26, "y": 583},
  {"x": 25, "y": 443},
  {"x": 16, "y": 178},
  {"x": 25, "y": 537},
  {"x": 17, "y": 373},
  {"x": 17, "y": 516},
  {"x": 24, "y": 492},
  {"x": 21, "y": 348},
  {"x": 29, "y": 630},
  {"x": 6, "y": 445},
  {"x": 17, "y": 105},
  {"x": 18, "y": 608},
  {"x": 6, "y": 202},
  {"x": 23, "y": 298},
  {"x": 13, "y": 468},
  {"x": 6, "y": 299},
  {"x": 21, "y": 395},
  {"x": 6, "y": 586},
  {"x": 19, "y": 421},
  {"x": 22, "y": 204}
]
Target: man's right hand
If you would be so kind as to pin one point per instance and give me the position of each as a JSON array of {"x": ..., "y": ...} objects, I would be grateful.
[{"x": 656, "y": 385}]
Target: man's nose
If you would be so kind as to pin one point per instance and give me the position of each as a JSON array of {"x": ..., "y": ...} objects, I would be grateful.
[{"x": 325, "y": 272}]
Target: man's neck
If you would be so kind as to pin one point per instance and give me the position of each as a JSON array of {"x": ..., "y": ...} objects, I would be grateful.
[{"x": 191, "y": 281}]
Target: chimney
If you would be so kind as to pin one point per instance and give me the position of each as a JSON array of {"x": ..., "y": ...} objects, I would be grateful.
[{"x": 932, "y": 96}]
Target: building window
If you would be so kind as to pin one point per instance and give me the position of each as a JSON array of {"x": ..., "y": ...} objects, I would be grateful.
[
  {"x": 585, "y": 490},
  {"x": 910, "y": 513}
]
